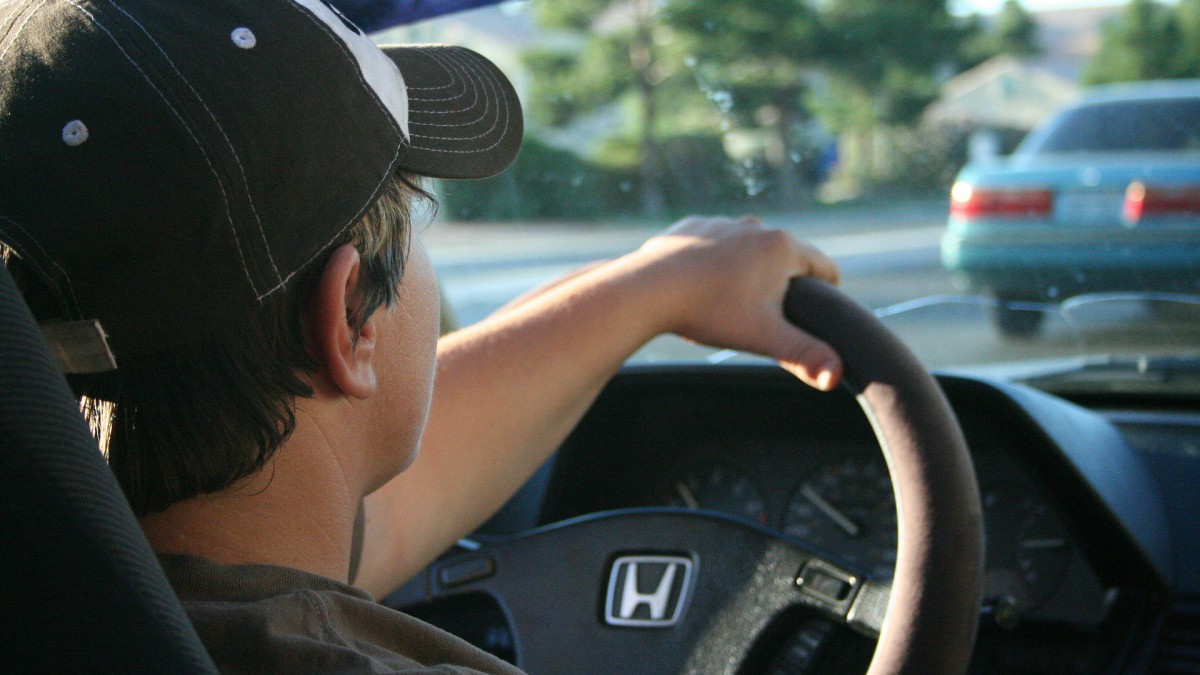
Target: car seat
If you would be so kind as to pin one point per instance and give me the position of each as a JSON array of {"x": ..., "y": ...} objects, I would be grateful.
[{"x": 80, "y": 589}]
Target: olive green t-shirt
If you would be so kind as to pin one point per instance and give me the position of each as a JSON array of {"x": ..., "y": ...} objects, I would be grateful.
[{"x": 266, "y": 619}]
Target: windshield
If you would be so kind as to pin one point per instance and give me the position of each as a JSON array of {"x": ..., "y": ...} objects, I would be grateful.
[{"x": 876, "y": 131}]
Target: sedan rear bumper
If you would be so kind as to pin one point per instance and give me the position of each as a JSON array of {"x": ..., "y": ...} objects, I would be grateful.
[{"x": 1054, "y": 263}]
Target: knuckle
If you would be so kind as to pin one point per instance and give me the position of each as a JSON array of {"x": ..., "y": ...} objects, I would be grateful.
[{"x": 778, "y": 239}]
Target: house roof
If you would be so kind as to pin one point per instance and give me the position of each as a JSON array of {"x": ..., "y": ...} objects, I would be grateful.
[{"x": 1001, "y": 92}]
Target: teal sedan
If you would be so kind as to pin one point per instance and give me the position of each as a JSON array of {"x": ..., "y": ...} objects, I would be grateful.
[{"x": 1102, "y": 197}]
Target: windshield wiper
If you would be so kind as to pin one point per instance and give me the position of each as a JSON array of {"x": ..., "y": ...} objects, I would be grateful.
[{"x": 1174, "y": 374}]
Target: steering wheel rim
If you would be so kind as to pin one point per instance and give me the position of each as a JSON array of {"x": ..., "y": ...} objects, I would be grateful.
[
  {"x": 933, "y": 611},
  {"x": 926, "y": 625}
]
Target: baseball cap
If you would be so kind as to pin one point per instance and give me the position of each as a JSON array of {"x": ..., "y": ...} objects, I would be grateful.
[{"x": 167, "y": 165}]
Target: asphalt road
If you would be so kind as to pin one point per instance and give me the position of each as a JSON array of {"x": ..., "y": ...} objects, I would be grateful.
[{"x": 889, "y": 260}]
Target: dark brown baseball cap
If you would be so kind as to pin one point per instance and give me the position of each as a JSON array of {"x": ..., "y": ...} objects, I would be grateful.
[{"x": 165, "y": 165}]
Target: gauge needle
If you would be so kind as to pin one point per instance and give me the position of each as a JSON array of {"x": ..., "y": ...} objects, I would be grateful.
[
  {"x": 685, "y": 493},
  {"x": 830, "y": 510}
]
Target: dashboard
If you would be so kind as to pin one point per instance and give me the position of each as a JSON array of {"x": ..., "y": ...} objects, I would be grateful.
[{"x": 1084, "y": 565}]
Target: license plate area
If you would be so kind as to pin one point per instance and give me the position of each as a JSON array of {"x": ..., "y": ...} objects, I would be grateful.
[{"x": 1089, "y": 207}]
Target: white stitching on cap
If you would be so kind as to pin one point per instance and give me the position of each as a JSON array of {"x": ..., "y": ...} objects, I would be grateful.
[
  {"x": 73, "y": 305},
  {"x": 448, "y": 84},
  {"x": 243, "y": 37},
  {"x": 387, "y": 175},
  {"x": 46, "y": 278},
  {"x": 75, "y": 133},
  {"x": 467, "y": 82},
  {"x": 12, "y": 17},
  {"x": 401, "y": 127},
  {"x": 353, "y": 61},
  {"x": 502, "y": 103},
  {"x": 474, "y": 86},
  {"x": 468, "y": 71},
  {"x": 228, "y": 142},
  {"x": 13, "y": 39},
  {"x": 499, "y": 140},
  {"x": 354, "y": 219},
  {"x": 203, "y": 152},
  {"x": 434, "y": 55}
]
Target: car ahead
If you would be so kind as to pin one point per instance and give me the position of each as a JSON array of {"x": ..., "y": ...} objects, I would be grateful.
[{"x": 1104, "y": 196}]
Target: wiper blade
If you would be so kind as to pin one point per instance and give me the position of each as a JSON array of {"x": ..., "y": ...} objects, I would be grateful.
[
  {"x": 1115, "y": 374},
  {"x": 1065, "y": 306}
]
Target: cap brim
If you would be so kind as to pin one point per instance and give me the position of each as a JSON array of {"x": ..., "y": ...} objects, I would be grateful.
[{"x": 464, "y": 117}]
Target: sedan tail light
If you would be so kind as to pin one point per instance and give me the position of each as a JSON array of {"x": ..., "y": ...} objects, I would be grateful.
[
  {"x": 1142, "y": 201},
  {"x": 968, "y": 202}
]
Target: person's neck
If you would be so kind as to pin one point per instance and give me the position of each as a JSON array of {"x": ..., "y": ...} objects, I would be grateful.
[{"x": 298, "y": 511}]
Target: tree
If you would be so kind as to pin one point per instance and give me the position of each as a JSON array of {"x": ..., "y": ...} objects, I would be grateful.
[
  {"x": 1144, "y": 42},
  {"x": 1014, "y": 31},
  {"x": 1188, "y": 16},
  {"x": 886, "y": 59},
  {"x": 761, "y": 56},
  {"x": 611, "y": 53}
]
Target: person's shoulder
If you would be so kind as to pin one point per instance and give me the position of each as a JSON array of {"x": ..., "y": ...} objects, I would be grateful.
[{"x": 268, "y": 619}]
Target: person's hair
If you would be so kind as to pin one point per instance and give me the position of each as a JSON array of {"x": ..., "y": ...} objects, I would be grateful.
[{"x": 197, "y": 419}]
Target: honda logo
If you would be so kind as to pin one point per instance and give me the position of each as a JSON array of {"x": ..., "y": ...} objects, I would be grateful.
[{"x": 647, "y": 590}]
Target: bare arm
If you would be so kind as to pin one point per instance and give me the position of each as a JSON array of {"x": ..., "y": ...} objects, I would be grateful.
[{"x": 509, "y": 389}]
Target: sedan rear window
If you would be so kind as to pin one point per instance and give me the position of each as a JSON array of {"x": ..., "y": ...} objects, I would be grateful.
[{"x": 1169, "y": 124}]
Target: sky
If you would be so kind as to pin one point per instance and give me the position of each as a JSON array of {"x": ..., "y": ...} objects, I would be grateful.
[{"x": 992, "y": 6}]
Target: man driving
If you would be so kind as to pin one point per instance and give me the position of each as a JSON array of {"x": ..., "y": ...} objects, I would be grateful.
[{"x": 209, "y": 207}]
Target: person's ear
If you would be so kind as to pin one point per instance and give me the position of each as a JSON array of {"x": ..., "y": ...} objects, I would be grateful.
[{"x": 344, "y": 357}]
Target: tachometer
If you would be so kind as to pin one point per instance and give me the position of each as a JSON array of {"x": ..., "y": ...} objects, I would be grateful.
[
  {"x": 847, "y": 508},
  {"x": 718, "y": 488}
]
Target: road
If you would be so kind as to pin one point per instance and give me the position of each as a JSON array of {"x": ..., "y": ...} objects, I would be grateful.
[{"x": 888, "y": 260}]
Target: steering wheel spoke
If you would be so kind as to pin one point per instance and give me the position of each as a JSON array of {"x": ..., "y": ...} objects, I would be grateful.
[{"x": 649, "y": 590}]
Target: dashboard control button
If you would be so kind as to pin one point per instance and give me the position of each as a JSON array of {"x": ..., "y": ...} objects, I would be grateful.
[{"x": 459, "y": 572}]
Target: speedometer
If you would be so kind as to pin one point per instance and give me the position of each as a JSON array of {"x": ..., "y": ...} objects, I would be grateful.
[{"x": 847, "y": 508}]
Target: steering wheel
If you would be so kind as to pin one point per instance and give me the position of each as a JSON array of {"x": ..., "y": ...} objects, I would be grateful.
[{"x": 671, "y": 590}]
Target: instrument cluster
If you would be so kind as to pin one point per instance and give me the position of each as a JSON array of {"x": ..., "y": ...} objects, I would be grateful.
[{"x": 840, "y": 500}]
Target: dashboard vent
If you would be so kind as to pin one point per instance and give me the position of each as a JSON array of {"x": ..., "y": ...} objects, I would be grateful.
[{"x": 1178, "y": 648}]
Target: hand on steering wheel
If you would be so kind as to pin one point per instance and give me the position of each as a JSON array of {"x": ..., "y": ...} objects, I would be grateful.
[{"x": 713, "y": 584}]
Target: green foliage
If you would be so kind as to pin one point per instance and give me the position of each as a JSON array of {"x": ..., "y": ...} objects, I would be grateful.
[
  {"x": 781, "y": 31},
  {"x": 1148, "y": 41},
  {"x": 700, "y": 177},
  {"x": 875, "y": 38},
  {"x": 928, "y": 157},
  {"x": 570, "y": 83},
  {"x": 683, "y": 73},
  {"x": 610, "y": 50},
  {"x": 905, "y": 95},
  {"x": 1014, "y": 32},
  {"x": 756, "y": 59},
  {"x": 544, "y": 183},
  {"x": 548, "y": 183},
  {"x": 576, "y": 15},
  {"x": 885, "y": 59}
]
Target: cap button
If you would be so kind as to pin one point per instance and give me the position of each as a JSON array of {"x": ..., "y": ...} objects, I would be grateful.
[
  {"x": 243, "y": 38},
  {"x": 75, "y": 133}
]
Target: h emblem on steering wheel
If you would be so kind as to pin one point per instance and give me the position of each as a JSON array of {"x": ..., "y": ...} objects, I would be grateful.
[{"x": 647, "y": 591}]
